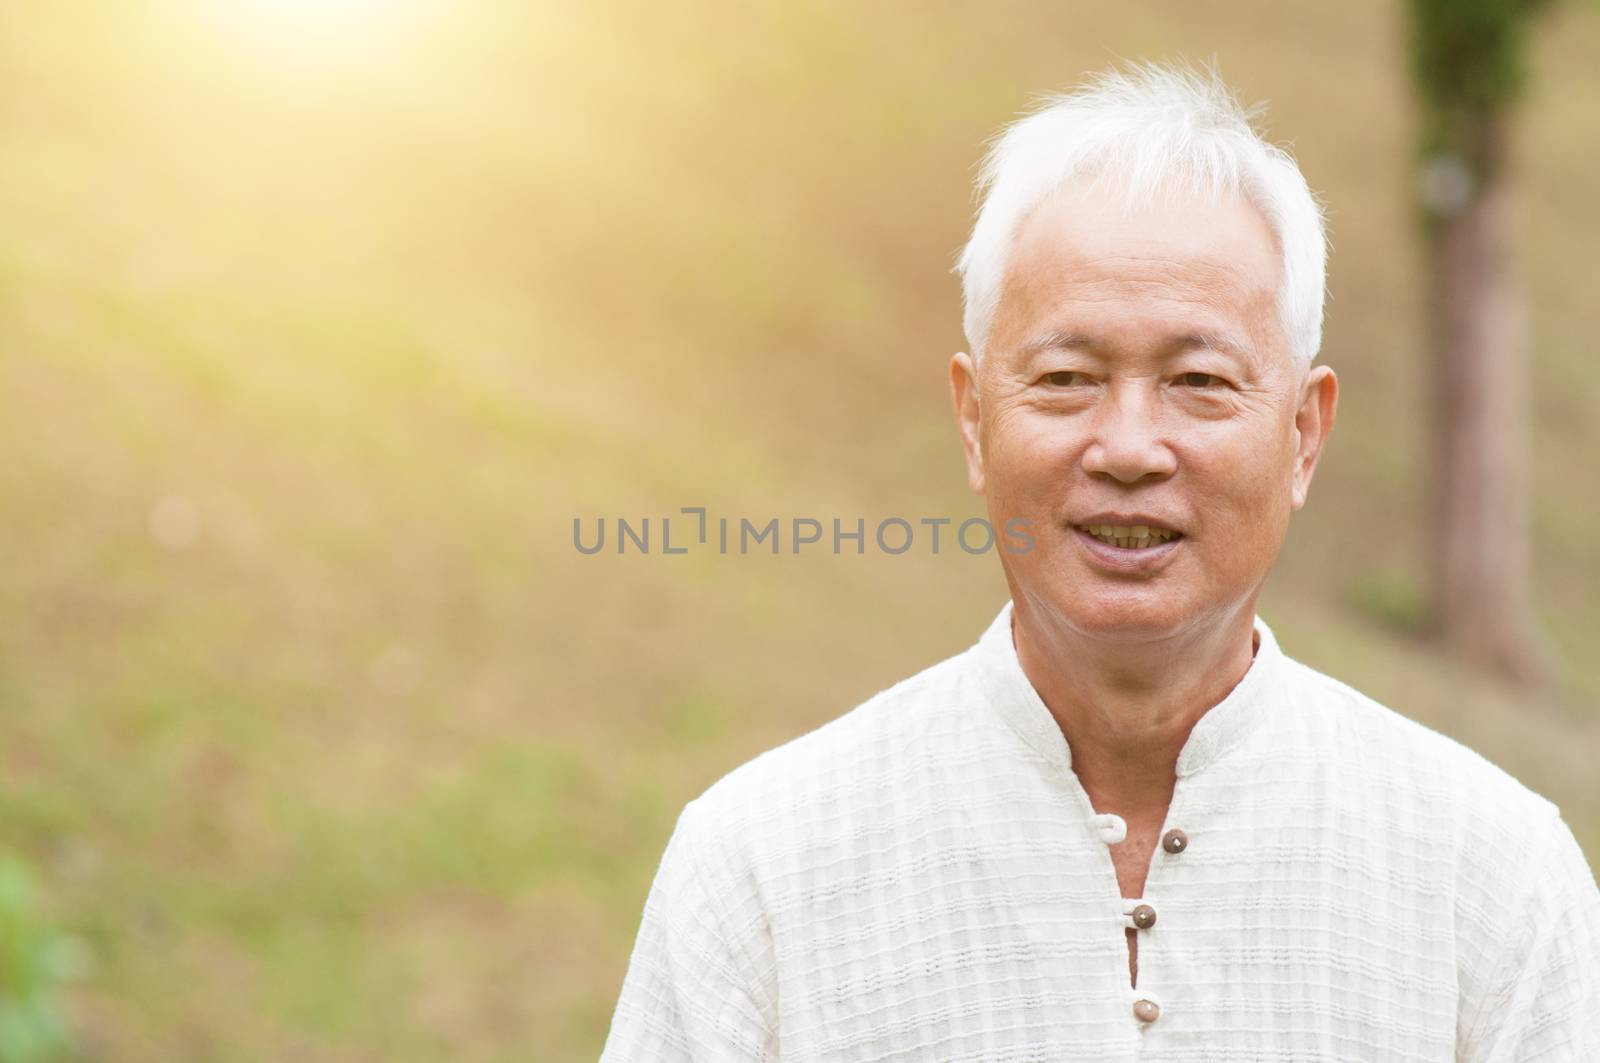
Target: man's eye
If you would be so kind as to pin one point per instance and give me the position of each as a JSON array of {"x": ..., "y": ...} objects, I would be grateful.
[
  {"x": 1200, "y": 380},
  {"x": 1063, "y": 378}
]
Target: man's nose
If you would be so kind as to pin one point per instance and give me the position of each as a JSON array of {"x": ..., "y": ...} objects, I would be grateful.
[{"x": 1127, "y": 442}]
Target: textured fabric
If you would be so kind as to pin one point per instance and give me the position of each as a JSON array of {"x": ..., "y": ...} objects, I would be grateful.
[{"x": 924, "y": 878}]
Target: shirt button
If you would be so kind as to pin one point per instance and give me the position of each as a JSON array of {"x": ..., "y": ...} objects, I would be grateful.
[
  {"x": 1174, "y": 841},
  {"x": 1146, "y": 1010},
  {"x": 1144, "y": 917},
  {"x": 1112, "y": 827}
]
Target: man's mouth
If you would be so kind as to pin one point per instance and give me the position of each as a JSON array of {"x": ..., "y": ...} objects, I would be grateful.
[{"x": 1129, "y": 537}]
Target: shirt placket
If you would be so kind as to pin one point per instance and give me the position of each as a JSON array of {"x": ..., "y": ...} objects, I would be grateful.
[{"x": 1143, "y": 1002}]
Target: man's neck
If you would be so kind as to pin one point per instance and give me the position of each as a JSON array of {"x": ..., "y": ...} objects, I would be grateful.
[{"x": 1126, "y": 708}]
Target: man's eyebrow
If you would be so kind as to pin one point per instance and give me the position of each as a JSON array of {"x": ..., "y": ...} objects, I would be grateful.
[
  {"x": 1058, "y": 340},
  {"x": 1066, "y": 340},
  {"x": 1211, "y": 341}
]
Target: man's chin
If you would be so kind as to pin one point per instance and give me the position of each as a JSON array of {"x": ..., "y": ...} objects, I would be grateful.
[{"x": 1122, "y": 621}]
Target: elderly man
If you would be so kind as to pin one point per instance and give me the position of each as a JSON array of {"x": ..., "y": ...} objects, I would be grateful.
[{"x": 1124, "y": 825}]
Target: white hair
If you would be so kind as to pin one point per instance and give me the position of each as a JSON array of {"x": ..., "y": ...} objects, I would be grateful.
[{"x": 1147, "y": 128}]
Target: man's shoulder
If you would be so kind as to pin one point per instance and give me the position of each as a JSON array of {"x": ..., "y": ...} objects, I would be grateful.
[
  {"x": 845, "y": 760},
  {"x": 1382, "y": 747}
]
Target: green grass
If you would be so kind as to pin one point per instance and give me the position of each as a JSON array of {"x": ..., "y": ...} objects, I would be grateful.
[{"x": 369, "y": 763}]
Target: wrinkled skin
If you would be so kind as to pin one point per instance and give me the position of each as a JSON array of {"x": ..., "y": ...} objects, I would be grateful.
[{"x": 1220, "y": 444}]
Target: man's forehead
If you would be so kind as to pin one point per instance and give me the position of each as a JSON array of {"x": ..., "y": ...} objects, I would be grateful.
[
  {"x": 1056, "y": 308},
  {"x": 1062, "y": 275},
  {"x": 1207, "y": 279},
  {"x": 1090, "y": 235}
]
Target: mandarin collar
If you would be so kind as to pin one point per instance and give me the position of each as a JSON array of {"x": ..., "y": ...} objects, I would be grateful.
[{"x": 1220, "y": 729}]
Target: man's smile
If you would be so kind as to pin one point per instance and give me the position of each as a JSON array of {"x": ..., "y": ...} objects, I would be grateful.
[
  {"x": 1129, "y": 536},
  {"x": 1128, "y": 550}
]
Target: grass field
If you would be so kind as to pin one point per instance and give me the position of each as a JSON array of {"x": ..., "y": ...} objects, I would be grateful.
[{"x": 316, "y": 335}]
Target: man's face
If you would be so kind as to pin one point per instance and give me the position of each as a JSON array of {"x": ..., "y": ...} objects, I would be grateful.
[{"x": 1137, "y": 373}]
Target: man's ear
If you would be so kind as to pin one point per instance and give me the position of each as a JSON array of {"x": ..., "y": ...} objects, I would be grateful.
[
  {"x": 964, "y": 394},
  {"x": 1313, "y": 421}
]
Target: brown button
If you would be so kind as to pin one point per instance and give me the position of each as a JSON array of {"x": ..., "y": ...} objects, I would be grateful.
[
  {"x": 1174, "y": 841},
  {"x": 1146, "y": 1010},
  {"x": 1144, "y": 917}
]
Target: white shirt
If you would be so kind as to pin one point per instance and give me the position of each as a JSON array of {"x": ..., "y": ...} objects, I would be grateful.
[{"x": 924, "y": 878}]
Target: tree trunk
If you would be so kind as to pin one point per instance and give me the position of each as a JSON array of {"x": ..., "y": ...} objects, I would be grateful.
[{"x": 1477, "y": 532}]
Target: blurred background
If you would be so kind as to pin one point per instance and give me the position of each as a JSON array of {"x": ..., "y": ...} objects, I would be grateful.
[{"x": 321, "y": 321}]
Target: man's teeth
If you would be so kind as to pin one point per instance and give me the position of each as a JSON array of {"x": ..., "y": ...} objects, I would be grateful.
[{"x": 1135, "y": 537}]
